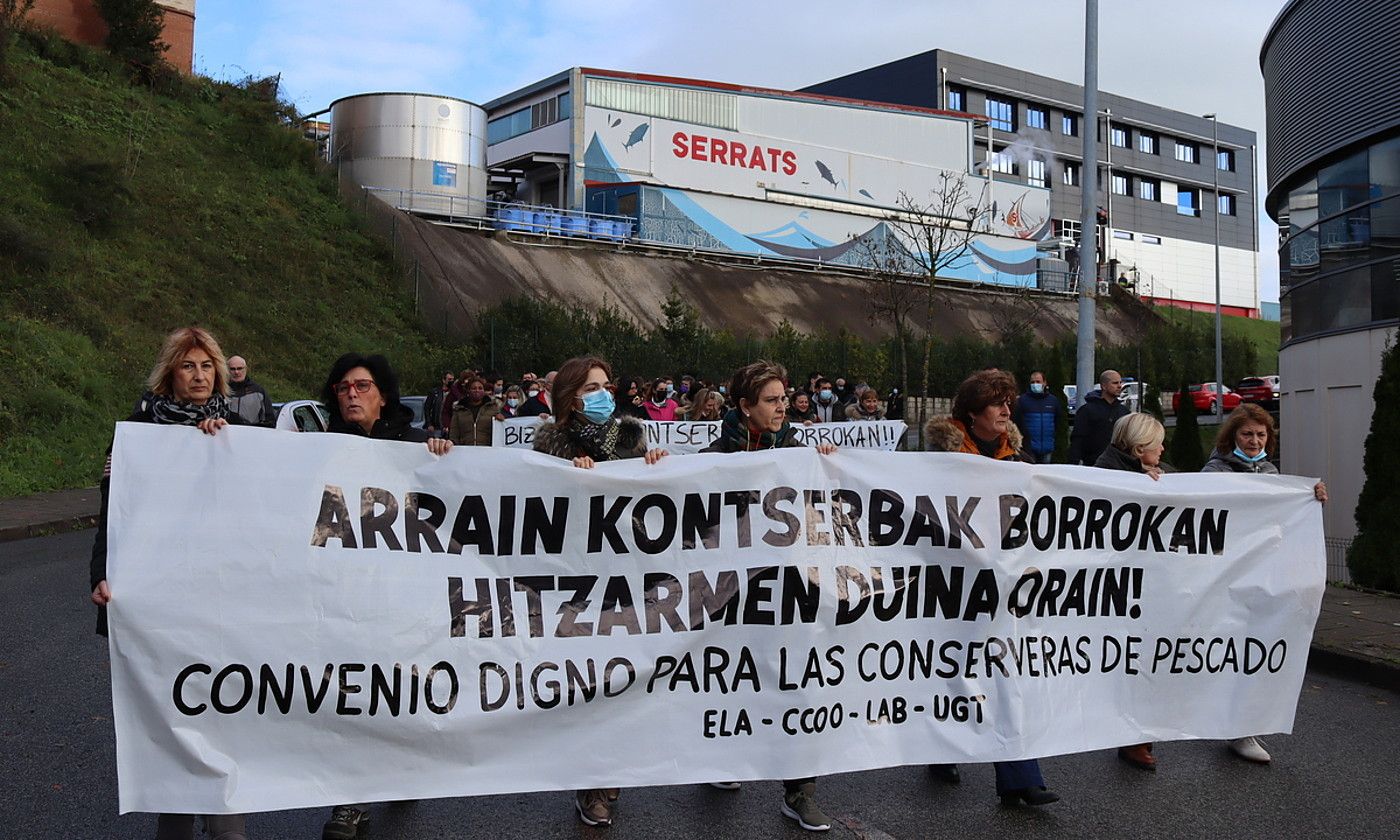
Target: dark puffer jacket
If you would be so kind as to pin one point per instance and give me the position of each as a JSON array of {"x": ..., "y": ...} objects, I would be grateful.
[
  {"x": 552, "y": 439},
  {"x": 396, "y": 423},
  {"x": 1093, "y": 427}
]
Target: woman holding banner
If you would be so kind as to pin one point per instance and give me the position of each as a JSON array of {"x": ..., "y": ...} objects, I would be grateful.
[
  {"x": 981, "y": 425},
  {"x": 761, "y": 422},
  {"x": 1246, "y": 440},
  {"x": 587, "y": 431},
  {"x": 187, "y": 387},
  {"x": 361, "y": 394},
  {"x": 1136, "y": 446}
]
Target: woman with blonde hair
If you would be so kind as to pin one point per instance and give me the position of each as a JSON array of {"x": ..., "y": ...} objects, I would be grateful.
[
  {"x": 1136, "y": 446},
  {"x": 188, "y": 386}
]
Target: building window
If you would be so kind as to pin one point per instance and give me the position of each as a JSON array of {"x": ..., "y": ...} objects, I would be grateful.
[
  {"x": 957, "y": 99},
  {"x": 1069, "y": 125},
  {"x": 1118, "y": 136},
  {"x": 1187, "y": 152},
  {"x": 1225, "y": 204},
  {"x": 1187, "y": 202},
  {"x": 1037, "y": 117},
  {"x": 1001, "y": 114},
  {"x": 1037, "y": 173},
  {"x": 1071, "y": 177},
  {"x": 1147, "y": 143},
  {"x": 1147, "y": 189},
  {"x": 1225, "y": 160},
  {"x": 535, "y": 116},
  {"x": 1002, "y": 162},
  {"x": 1123, "y": 234},
  {"x": 1149, "y": 239},
  {"x": 1120, "y": 184}
]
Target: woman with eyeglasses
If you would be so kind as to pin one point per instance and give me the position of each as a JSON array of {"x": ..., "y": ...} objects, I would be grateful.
[
  {"x": 759, "y": 422},
  {"x": 188, "y": 386},
  {"x": 361, "y": 394},
  {"x": 587, "y": 431},
  {"x": 981, "y": 425}
]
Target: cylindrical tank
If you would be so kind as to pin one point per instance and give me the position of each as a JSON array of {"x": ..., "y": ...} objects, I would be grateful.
[{"x": 429, "y": 150}]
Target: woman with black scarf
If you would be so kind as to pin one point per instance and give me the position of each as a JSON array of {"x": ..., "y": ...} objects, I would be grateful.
[
  {"x": 187, "y": 387},
  {"x": 761, "y": 422},
  {"x": 587, "y": 431}
]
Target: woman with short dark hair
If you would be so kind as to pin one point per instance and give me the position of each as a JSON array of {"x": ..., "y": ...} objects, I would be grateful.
[
  {"x": 980, "y": 424},
  {"x": 758, "y": 422},
  {"x": 473, "y": 415}
]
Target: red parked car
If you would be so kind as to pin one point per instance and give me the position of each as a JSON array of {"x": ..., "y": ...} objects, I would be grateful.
[
  {"x": 1259, "y": 389},
  {"x": 1204, "y": 396}
]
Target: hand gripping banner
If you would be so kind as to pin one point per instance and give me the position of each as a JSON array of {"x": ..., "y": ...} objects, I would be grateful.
[{"x": 305, "y": 620}]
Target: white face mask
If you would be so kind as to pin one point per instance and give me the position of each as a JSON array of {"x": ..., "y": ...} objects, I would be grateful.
[{"x": 533, "y": 393}]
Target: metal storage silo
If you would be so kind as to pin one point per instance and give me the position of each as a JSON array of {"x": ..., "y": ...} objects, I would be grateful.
[{"x": 428, "y": 151}]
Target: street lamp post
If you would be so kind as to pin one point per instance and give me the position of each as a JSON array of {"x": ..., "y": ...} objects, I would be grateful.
[{"x": 1215, "y": 184}]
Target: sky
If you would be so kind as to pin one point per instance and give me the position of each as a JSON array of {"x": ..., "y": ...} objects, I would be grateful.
[{"x": 1196, "y": 56}]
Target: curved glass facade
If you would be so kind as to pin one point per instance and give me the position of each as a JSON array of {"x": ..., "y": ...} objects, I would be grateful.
[{"x": 1339, "y": 261}]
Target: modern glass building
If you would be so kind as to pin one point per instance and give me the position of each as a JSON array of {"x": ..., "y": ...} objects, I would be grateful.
[{"x": 1333, "y": 97}]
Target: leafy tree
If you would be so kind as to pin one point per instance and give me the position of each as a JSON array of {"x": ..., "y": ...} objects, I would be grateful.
[
  {"x": 1187, "y": 454},
  {"x": 134, "y": 28},
  {"x": 1374, "y": 558}
]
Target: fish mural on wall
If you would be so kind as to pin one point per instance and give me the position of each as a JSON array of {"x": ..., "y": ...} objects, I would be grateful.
[
  {"x": 637, "y": 135},
  {"x": 866, "y": 194},
  {"x": 825, "y": 172}
]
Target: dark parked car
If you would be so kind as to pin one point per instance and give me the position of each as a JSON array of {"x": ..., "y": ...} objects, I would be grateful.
[{"x": 1259, "y": 389}]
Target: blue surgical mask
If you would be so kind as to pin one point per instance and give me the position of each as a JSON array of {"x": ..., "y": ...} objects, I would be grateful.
[
  {"x": 723, "y": 390},
  {"x": 1251, "y": 459},
  {"x": 1037, "y": 387},
  {"x": 598, "y": 406},
  {"x": 513, "y": 402},
  {"x": 825, "y": 394}
]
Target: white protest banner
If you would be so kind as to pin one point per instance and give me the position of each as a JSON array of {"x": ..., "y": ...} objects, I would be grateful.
[
  {"x": 305, "y": 620},
  {"x": 685, "y": 437}
]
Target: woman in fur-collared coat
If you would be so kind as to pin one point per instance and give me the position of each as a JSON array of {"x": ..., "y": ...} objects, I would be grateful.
[
  {"x": 981, "y": 425},
  {"x": 586, "y": 432}
]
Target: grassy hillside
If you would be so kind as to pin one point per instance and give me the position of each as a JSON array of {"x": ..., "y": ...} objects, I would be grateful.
[
  {"x": 1264, "y": 335},
  {"x": 125, "y": 213}
]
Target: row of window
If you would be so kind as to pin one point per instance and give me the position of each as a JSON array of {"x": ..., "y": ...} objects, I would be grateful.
[
  {"x": 529, "y": 118},
  {"x": 1001, "y": 113},
  {"x": 1069, "y": 228},
  {"x": 1188, "y": 199}
]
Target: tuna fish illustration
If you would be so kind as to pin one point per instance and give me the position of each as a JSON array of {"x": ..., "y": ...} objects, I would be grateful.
[
  {"x": 867, "y": 195},
  {"x": 826, "y": 173},
  {"x": 635, "y": 137}
]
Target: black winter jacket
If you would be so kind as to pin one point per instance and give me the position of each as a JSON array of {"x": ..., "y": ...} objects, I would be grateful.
[{"x": 1093, "y": 428}]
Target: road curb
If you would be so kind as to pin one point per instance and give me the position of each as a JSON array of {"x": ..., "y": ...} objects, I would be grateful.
[
  {"x": 48, "y": 529},
  {"x": 1354, "y": 666}
]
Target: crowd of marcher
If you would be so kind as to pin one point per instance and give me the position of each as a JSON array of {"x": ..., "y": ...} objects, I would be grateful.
[{"x": 592, "y": 416}]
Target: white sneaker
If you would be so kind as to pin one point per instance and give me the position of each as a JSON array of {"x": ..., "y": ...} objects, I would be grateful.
[
  {"x": 725, "y": 785},
  {"x": 1250, "y": 749}
]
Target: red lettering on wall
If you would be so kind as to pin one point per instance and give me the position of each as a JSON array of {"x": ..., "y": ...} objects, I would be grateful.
[
  {"x": 789, "y": 163},
  {"x": 756, "y": 159},
  {"x": 739, "y": 152},
  {"x": 719, "y": 150},
  {"x": 697, "y": 147},
  {"x": 678, "y": 144}
]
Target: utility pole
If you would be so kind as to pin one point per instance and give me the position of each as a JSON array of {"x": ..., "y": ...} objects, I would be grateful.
[
  {"x": 1089, "y": 188},
  {"x": 1215, "y": 182}
]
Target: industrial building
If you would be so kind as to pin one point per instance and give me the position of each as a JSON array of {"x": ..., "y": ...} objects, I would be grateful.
[
  {"x": 1333, "y": 101},
  {"x": 756, "y": 171},
  {"x": 1165, "y": 176}
]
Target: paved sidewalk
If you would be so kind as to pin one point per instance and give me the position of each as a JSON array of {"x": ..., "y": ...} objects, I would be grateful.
[{"x": 1357, "y": 634}]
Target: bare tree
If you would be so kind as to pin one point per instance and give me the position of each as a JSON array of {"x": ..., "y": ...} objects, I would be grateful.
[
  {"x": 933, "y": 233},
  {"x": 896, "y": 292}
]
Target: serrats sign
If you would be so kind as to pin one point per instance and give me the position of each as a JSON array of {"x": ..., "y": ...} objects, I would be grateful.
[{"x": 305, "y": 620}]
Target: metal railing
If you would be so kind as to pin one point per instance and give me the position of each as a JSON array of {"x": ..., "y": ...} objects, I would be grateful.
[{"x": 1337, "y": 559}]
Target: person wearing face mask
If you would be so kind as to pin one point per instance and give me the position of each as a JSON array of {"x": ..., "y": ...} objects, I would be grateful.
[
  {"x": 538, "y": 402},
  {"x": 630, "y": 398},
  {"x": 586, "y": 431},
  {"x": 472, "y": 415},
  {"x": 981, "y": 425},
  {"x": 659, "y": 406},
  {"x": 825, "y": 405},
  {"x": 1246, "y": 440},
  {"x": 514, "y": 398},
  {"x": 1035, "y": 415}
]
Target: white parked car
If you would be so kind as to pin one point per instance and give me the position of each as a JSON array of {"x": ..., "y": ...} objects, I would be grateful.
[{"x": 301, "y": 416}]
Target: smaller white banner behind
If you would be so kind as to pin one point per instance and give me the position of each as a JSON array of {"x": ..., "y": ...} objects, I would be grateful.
[
  {"x": 686, "y": 437},
  {"x": 307, "y": 620}
]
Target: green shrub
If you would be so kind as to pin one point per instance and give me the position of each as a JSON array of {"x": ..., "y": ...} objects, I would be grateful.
[
  {"x": 24, "y": 247},
  {"x": 95, "y": 191},
  {"x": 133, "y": 33},
  {"x": 1374, "y": 558}
]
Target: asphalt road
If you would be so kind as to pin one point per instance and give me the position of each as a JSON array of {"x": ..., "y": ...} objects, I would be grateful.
[{"x": 1336, "y": 776}]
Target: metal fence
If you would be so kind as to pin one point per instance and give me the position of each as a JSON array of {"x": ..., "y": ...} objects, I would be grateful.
[{"x": 1337, "y": 559}]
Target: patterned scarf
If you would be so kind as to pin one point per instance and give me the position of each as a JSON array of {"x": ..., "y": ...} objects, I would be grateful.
[
  {"x": 743, "y": 439},
  {"x": 597, "y": 440},
  {"x": 169, "y": 412}
]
